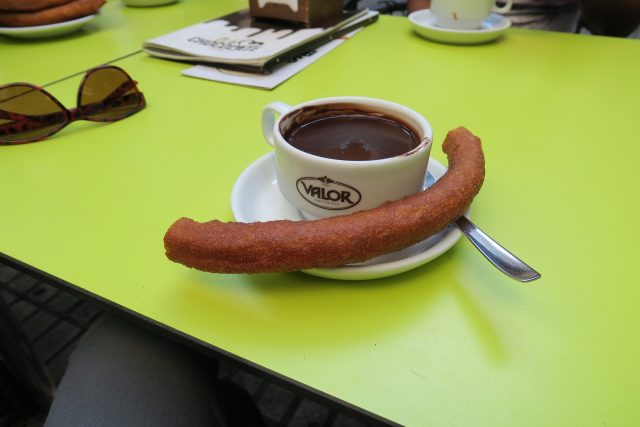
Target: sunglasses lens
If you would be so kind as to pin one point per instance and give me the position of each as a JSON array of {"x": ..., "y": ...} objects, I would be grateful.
[
  {"x": 109, "y": 94},
  {"x": 27, "y": 114}
]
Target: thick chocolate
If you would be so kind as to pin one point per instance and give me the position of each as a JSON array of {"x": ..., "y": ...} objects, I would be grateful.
[
  {"x": 353, "y": 136},
  {"x": 310, "y": 13}
]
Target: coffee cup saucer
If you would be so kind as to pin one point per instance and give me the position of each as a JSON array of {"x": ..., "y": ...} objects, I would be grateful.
[
  {"x": 424, "y": 23},
  {"x": 256, "y": 198},
  {"x": 47, "y": 31}
]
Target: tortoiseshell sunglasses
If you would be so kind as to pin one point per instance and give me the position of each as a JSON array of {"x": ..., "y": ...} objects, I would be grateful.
[{"x": 29, "y": 113}]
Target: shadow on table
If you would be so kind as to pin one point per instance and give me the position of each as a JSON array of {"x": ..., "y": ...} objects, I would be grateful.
[{"x": 317, "y": 311}]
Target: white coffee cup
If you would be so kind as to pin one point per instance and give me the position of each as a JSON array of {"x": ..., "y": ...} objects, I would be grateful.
[
  {"x": 464, "y": 14},
  {"x": 322, "y": 187}
]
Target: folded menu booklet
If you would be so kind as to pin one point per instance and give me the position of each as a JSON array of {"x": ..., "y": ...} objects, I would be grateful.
[
  {"x": 238, "y": 41},
  {"x": 279, "y": 73}
]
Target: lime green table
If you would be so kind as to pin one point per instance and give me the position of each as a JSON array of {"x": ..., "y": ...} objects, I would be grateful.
[
  {"x": 117, "y": 30},
  {"x": 452, "y": 343}
]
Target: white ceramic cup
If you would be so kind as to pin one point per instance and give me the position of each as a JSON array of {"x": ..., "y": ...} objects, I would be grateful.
[
  {"x": 321, "y": 187},
  {"x": 464, "y": 14}
]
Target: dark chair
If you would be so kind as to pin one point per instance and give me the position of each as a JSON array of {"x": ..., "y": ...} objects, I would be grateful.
[{"x": 22, "y": 362}]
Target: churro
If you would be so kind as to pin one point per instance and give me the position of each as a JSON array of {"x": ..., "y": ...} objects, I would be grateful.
[{"x": 279, "y": 246}]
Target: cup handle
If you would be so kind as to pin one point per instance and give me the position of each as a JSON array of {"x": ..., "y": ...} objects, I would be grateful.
[
  {"x": 504, "y": 9},
  {"x": 269, "y": 114}
]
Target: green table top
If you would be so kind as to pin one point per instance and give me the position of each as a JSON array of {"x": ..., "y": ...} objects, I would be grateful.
[
  {"x": 451, "y": 343},
  {"x": 117, "y": 30}
]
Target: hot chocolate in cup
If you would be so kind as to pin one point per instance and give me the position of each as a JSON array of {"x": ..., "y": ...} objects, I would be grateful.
[
  {"x": 465, "y": 14},
  {"x": 336, "y": 156}
]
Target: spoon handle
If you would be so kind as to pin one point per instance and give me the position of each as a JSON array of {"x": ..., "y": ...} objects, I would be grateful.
[{"x": 501, "y": 258}]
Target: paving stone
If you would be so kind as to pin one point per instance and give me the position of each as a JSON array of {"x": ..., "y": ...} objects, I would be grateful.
[
  {"x": 62, "y": 302},
  {"x": 22, "y": 309},
  {"x": 38, "y": 323},
  {"x": 225, "y": 371},
  {"x": 345, "y": 421},
  {"x": 41, "y": 293},
  {"x": 309, "y": 414},
  {"x": 21, "y": 284},
  {"x": 56, "y": 339},
  {"x": 9, "y": 297},
  {"x": 85, "y": 313},
  {"x": 247, "y": 381},
  {"x": 7, "y": 273},
  {"x": 274, "y": 402}
]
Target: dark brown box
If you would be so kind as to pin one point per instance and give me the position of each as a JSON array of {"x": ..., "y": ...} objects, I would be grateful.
[{"x": 310, "y": 13}]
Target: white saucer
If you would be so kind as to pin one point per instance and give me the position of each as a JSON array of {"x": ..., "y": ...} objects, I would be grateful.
[
  {"x": 45, "y": 31},
  {"x": 424, "y": 23},
  {"x": 255, "y": 197}
]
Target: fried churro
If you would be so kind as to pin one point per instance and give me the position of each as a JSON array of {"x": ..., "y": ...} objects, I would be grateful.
[
  {"x": 57, "y": 12},
  {"x": 280, "y": 246}
]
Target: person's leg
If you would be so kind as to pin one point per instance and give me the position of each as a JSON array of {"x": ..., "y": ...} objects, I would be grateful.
[{"x": 124, "y": 375}]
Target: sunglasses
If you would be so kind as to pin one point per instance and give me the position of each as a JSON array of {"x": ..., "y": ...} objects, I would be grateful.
[{"x": 29, "y": 113}]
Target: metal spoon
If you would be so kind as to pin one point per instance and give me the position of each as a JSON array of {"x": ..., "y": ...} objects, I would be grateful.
[{"x": 501, "y": 258}]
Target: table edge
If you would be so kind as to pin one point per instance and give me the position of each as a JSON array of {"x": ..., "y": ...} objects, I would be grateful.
[{"x": 201, "y": 346}]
